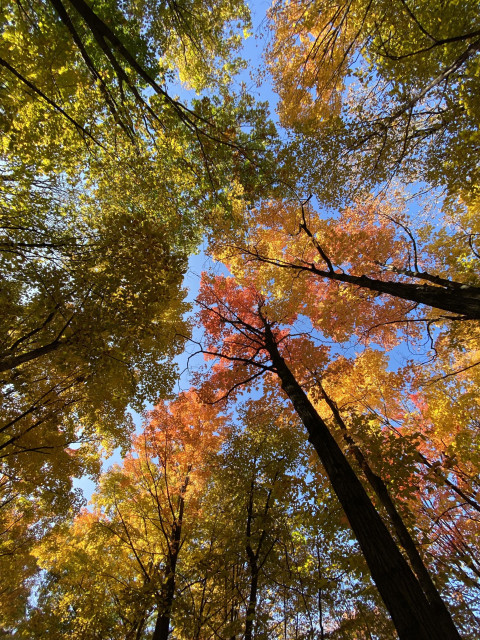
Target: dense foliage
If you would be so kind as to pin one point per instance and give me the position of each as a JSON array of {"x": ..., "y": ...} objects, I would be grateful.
[{"x": 320, "y": 477}]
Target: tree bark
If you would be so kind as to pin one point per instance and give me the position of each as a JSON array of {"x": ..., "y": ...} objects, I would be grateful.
[
  {"x": 440, "y": 293},
  {"x": 403, "y": 535},
  {"x": 10, "y": 362},
  {"x": 320, "y": 599},
  {"x": 411, "y": 612},
  {"x": 252, "y": 602},
  {"x": 162, "y": 625},
  {"x": 459, "y": 299},
  {"x": 252, "y": 557}
]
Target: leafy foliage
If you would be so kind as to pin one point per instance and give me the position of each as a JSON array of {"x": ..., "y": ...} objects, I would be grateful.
[
  {"x": 387, "y": 85},
  {"x": 345, "y": 304}
]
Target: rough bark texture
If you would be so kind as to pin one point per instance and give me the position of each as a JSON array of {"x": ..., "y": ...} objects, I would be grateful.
[{"x": 411, "y": 612}]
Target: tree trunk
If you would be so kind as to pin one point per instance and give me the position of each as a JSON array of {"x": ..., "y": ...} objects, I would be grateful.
[
  {"x": 233, "y": 605},
  {"x": 401, "y": 530},
  {"x": 252, "y": 603},
  {"x": 320, "y": 599},
  {"x": 10, "y": 362},
  {"x": 462, "y": 300},
  {"x": 435, "y": 291},
  {"x": 162, "y": 625},
  {"x": 412, "y": 614},
  {"x": 253, "y": 564}
]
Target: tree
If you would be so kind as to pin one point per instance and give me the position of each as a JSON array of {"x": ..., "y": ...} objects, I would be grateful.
[
  {"x": 114, "y": 53},
  {"x": 105, "y": 192},
  {"x": 388, "y": 87},
  {"x": 247, "y": 557},
  {"x": 109, "y": 182},
  {"x": 256, "y": 474},
  {"x": 90, "y": 315},
  {"x": 367, "y": 251},
  {"x": 385, "y": 416},
  {"x": 145, "y": 513},
  {"x": 240, "y": 332}
]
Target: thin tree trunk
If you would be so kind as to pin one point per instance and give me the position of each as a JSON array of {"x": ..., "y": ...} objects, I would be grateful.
[
  {"x": 320, "y": 599},
  {"x": 401, "y": 530},
  {"x": 253, "y": 564},
  {"x": 253, "y": 557},
  {"x": 438, "y": 472},
  {"x": 233, "y": 606},
  {"x": 412, "y": 614},
  {"x": 139, "y": 633},
  {"x": 162, "y": 625},
  {"x": 252, "y": 603},
  {"x": 10, "y": 362}
]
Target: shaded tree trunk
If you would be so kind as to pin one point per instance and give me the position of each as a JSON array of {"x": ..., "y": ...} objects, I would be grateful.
[
  {"x": 252, "y": 557},
  {"x": 411, "y": 612},
  {"x": 231, "y": 604},
  {"x": 10, "y": 362},
  {"x": 440, "y": 293},
  {"x": 162, "y": 625},
  {"x": 462, "y": 300},
  {"x": 403, "y": 535},
  {"x": 252, "y": 600},
  {"x": 320, "y": 598}
]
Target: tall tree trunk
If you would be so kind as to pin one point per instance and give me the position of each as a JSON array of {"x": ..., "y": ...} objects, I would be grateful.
[
  {"x": 401, "y": 530},
  {"x": 252, "y": 557},
  {"x": 320, "y": 599},
  {"x": 233, "y": 605},
  {"x": 162, "y": 625},
  {"x": 252, "y": 601},
  {"x": 411, "y": 612},
  {"x": 434, "y": 291}
]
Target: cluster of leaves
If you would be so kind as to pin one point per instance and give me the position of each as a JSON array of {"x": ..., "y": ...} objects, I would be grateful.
[
  {"x": 107, "y": 185},
  {"x": 388, "y": 86}
]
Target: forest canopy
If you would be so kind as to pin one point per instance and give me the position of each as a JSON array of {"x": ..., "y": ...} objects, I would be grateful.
[{"x": 307, "y": 462}]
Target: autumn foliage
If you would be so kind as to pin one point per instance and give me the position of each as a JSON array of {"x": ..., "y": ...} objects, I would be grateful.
[{"x": 306, "y": 463}]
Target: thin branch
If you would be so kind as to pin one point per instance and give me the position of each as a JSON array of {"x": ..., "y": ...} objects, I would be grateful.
[{"x": 53, "y": 104}]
